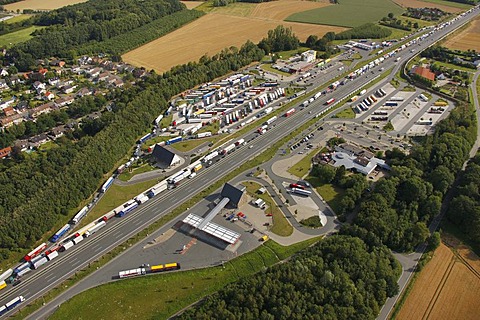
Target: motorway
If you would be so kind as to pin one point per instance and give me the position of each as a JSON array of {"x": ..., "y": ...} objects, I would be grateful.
[{"x": 119, "y": 230}]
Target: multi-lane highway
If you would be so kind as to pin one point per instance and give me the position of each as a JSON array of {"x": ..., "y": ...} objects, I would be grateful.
[{"x": 119, "y": 230}]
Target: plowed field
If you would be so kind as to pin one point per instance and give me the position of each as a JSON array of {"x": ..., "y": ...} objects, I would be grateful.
[{"x": 40, "y": 4}]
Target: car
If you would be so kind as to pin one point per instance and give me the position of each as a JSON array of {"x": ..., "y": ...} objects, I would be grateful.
[
  {"x": 300, "y": 152},
  {"x": 250, "y": 147}
]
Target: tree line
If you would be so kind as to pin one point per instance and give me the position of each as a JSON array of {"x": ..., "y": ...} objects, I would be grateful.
[
  {"x": 464, "y": 209},
  {"x": 43, "y": 191},
  {"x": 95, "y": 21},
  {"x": 341, "y": 277}
]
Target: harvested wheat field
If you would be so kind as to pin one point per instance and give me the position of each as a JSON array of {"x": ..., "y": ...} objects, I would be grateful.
[
  {"x": 424, "y": 4},
  {"x": 40, "y": 4},
  {"x": 191, "y": 4},
  {"x": 209, "y": 35},
  {"x": 468, "y": 38},
  {"x": 447, "y": 288},
  {"x": 279, "y": 10}
]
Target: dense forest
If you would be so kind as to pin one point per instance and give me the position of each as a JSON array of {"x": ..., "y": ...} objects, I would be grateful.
[
  {"x": 464, "y": 209},
  {"x": 340, "y": 277},
  {"x": 74, "y": 27},
  {"x": 38, "y": 192},
  {"x": 397, "y": 211},
  {"x": 365, "y": 31}
]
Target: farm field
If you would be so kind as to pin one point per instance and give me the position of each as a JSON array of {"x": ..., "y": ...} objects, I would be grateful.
[
  {"x": 40, "y": 4},
  {"x": 348, "y": 13},
  {"x": 447, "y": 288},
  {"x": 9, "y": 39},
  {"x": 209, "y": 35},
  {"x": 468, "y": 38},
  {"x": 442, "y": 5},
  {"x": 18, "y": 18},
  {"x": 191, "y": 4}
]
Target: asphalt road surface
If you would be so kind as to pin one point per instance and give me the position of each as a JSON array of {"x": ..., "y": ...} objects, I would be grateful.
[{"x": 117, "y": 231}]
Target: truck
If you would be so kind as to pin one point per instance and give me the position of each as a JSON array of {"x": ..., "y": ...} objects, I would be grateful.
[
  {"x": 39, "y": 263},
  {"x": 158, "y": 119},
  {"x": 6, "y": 274},
  {"x": 271, "y": 120},
  {"x": 122, "y": 168},
  {"x": 197, "y": 167},
  {"x": 240, "y": 142},
  {"x": 23, "y": 272},
  {"x": 330, "y": 101},
  {"x": 129, "y": 206},
  {"x": 95, "y": 228},
  {"x": 82, "y": 231},
  {"x": 391, "y": 104},
  {"x": 361, "y": 93},
  {"x": 262, "y": 129},
  {"x": 210, "y": 156},
  {"x": 317, "y": 95},
  {"x": 397, "y": 99},
  {"x": 78, "y": 239},
  {"x": 52, "y": 255},
  {"x": 301, "y": 192},
  {"x": 141, "y": 198},
  {"x": 21, "y": 267},
  {"x": 60, "y": 233},
  {"x": 145, "y": 138},
  {"x": 109, "y": 215},
  {"x": 79, "y": 216},
  {"x": 35, "y": 252},
  {"x": 106, "y": 185},
  {"x": 204, "y": 134},
  {"x": 132, "y": 273},
  {"x": 173, "y": 140},
  {"x": 268, "y": 110},
  {"x": 156, "y": 189},
  {"x": 290, "y": 112},
  {"x": 228, "y": 148},
  {"x": 11, "y": 304},
  {"x": 67, "y": 245},
  {"x": 192, "y": 175}
]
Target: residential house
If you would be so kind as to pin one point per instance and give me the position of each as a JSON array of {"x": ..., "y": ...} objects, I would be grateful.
[
  {"x": 95, "y": 72},
  {"x": 23, "y": 145},
  {"x": 53, "y": 81},
  {"x": 5, "y": 152},
  {"x": 476, "y": 63},
  {"x": 57, "y": 63},
  {"x": 44, "y": 108},
  {"x": 83, "y": 92},
  {"x": 22, "y": 105},
  {"x": 103, "y": 76},
  {"x": 118, "y": 83},
  {"x": 3, "y": 84},
  {"x": 425, "y": 73},
  {"x": 65, "y": 101},
  {"x": 138, "y": 73},
  {"x": 57, "y": 132},
  {"x": 68, "y": 88},
  {"x": 38, "y": 140},
  {"x": 84, "y": 60},
  {"x": 8, "y": 111},
  {"x": 14, "y": 80},
  {"x": 6, "y": 103},
  {"x": 37, "y": 85},
  {"x": 3, "y": 72},
  {"x": 94, "y": 115},
  {"x": 48, "y": 96},
  {"x": 7, "y": 122}
]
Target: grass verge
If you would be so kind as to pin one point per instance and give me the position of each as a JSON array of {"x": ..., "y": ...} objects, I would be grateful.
[
  {"x": 331, "y": 194},
  {"x": 346, "y": 114},
  {"x": 132, "y": 171},
  {"x": 10, "y": 39},
  {"x": 312, "y": 222},
  {"x": 160, "y": 296},
  {"x": 187, "y": 145},
  {"x": 280, "y": 226},
  {"x": 302, "y": 167}
]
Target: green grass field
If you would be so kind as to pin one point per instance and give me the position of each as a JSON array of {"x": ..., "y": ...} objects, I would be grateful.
[
  {"x": 160, "y": 296},
  {"x": 239, "y": 9},
  {"x": 127, "y": 174},
  {"x": 302, "y": 167},
  {"x": 331, "y": 194},
  {"x": 450, "y": 4},
  {"x": 19, "y": 18},
  {"x": 188, "y": 145},
  {"x": 346, "y": 114},
  {"x": 10, "y": 39},
  {"x": 348, "y": 13},
  {"x": 281, "y": 226},
  {"x": 114, "y": 197}
]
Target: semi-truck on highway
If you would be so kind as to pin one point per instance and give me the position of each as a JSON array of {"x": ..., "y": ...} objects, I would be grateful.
[
  {"x": 35, "y": 252},
  {"x": 79, "y": 216},
  {"x": 290, "y": 112},
  {"x": 271, "y": 120},
  {"x": 11, "y": 304},
  {"x": 330, "y": 101},
  {"x": 60, "y": 233},
  {"x": 106, "y": 185}
]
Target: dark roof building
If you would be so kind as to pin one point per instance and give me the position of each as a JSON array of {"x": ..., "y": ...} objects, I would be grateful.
[
  {"x": 164, "y": 157},
  {"x": 236, "y": 195}
]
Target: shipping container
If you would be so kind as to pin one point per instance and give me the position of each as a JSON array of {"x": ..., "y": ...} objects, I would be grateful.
[
  {"x": 141, "y": 198},
  {"x": 106, "y": 185},
  {"x": 78, "y": 239},
  {"x": 39, "y": 263},
  {"x": 95, "y": 228},
  {"x": 132, "y": 273},
  {"x": 52, "y": 255},
  {"x": 67, "y": 245},
  {"x": 79, "y": 216},
  {"x": 35, "y": 252}
]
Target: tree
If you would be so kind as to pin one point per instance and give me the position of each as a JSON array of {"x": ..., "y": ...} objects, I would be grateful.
[
  {"x": 434, "y": 241},
  {"x": 326, "y": 173},
  {"x": 390, "y": 15}
]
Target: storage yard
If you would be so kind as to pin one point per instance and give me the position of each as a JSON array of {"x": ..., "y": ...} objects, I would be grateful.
[
  {"x": 467, "y": 39},
  {"x": 212, "y": 33},
  {"x": 447, "y": 288},
  {"x": 426, "y": 4},
  {"x": 40, "y": 4}
]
